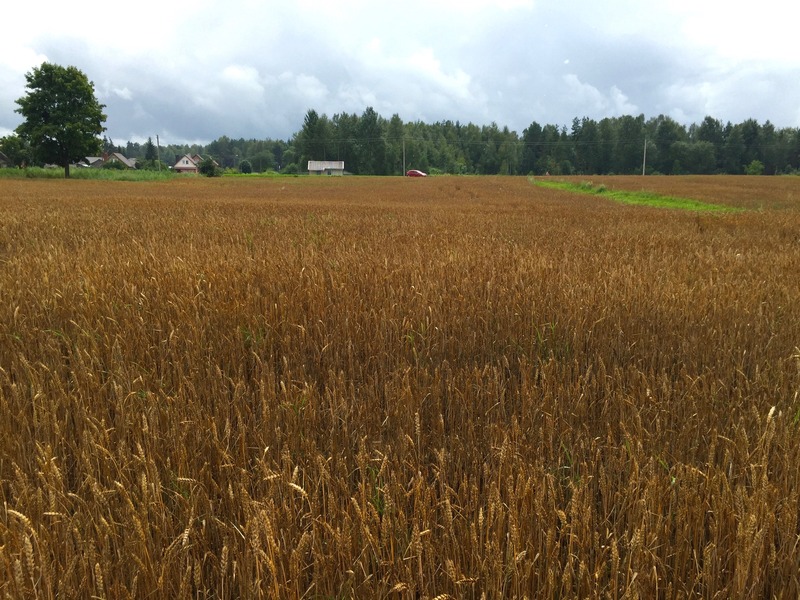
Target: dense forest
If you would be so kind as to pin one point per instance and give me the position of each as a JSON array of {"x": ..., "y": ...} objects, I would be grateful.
[{"x": 370, "y": 144}]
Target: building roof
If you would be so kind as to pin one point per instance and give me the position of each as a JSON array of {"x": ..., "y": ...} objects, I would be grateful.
[
  {"x": 193, "y": 162},
  {"x": 116, "y": 156},
  {"x": 323, "y": 165}
]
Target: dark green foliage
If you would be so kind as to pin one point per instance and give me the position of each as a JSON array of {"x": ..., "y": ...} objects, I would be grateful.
[
  {"x": 370, "y": 144},
  {"x": 245, "y": 167},
  {"x": 63, "y": 119},
  {"x": 16, "y": 150},
  {"x": 150, "y": 151},
  {"x": 371, "y": 151},
  {"x": 151, "y": 165},
  {"x": 756, "y": 167},
  {"x": 209, "y": 168},
  {"x": 113, "y": 165}
]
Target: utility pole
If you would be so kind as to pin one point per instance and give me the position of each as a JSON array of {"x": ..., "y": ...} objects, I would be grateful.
[
  {"x": 158, "y": 152},
  {"x": 404, "y": 155},
  {"x": 644, "y": 157}
]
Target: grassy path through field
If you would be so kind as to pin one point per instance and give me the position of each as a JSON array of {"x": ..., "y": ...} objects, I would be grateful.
[{"x": 642, "y": 198}]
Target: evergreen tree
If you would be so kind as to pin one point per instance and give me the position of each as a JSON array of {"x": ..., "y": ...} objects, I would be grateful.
[
  {"x": 395, "y": 134},
  {"x": 630, "y": 145},
  {"x": 605, "y": 147},
  {"x": 668, "y": 132},
  {"x": 734, "y": 150},
  {"x": 371, "y": 149},
  {"x": 150, "y": 153},
  {"x": 531, "y": 147}
]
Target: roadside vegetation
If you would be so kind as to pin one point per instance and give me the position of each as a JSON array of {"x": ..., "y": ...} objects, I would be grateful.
[
  {"x": 118, "y": 174},
  {"x": 87, "y": 174},
  {"x": 641, "y": 198},
  {"x": 377, "y": 387}
]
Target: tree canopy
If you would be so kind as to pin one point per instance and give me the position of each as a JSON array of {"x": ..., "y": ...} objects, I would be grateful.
[
  {"x": 63, "y": 118},
  {"x": 370, "y": 144},
  {"x": 15, "y": 149}
]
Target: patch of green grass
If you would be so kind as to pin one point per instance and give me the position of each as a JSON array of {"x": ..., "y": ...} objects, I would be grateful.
[
  {"x": 638, "y": 198},
  {"x": 32, "y": 173},
  {"x": 78, "y": 173},
  {"x": 126, "y": 175},
  {"x": 254, "y": 175}
]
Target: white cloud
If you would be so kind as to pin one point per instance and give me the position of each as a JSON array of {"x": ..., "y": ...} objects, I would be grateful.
[
  {"x": 740, "y": 33},
  {"x": 242, "y": 80},
  {"x": 252, "y": 69},
  {"x": 20, "y": 60},
  {"x": 355, "y": 97},
  {"x": 425, "y": 63},
  {"x": 620, "y": 104},
  {"x": 597, "y": 103},
  {"x": 478, "y": 5},
  {"x": 309, "y": 87},
  {"x": 123, "y": 93}
]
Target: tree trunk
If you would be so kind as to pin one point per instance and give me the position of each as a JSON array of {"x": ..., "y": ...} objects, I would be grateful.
[{"x": 66, "y": 170}]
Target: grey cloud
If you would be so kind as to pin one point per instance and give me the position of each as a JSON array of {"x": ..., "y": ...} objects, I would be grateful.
[{"x": 253, "y": 69}]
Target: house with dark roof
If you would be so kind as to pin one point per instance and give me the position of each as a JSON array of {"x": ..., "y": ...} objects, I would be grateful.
[
  {"x": 112, "y": 158},
  {"x": 116, "y": 157}
]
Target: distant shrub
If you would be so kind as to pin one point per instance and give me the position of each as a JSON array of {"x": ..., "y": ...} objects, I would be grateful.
[
  {"x": 151, "y": 165},
  {"x": 124, "y": 175},
  {"x": 754, "y": 168},
  {"x": 209, "y": 168},
  {"x": 41, "y": 173}
]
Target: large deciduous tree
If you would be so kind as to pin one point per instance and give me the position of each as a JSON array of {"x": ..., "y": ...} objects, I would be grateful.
[{"x": 63, "y": 119}]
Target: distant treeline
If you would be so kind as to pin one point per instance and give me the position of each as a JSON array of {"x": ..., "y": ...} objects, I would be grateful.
[{"x": 372, "y": 145}]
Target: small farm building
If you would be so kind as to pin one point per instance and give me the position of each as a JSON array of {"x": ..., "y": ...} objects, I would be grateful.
[{"x": 326, "y": 167}]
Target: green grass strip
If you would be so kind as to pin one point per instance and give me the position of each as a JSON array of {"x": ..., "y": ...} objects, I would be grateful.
[
  {"x": 79, "y": 173},
  {"x": 636, "y": 198}
]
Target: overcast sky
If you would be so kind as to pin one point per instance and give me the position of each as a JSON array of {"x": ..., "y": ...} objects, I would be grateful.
[{"x": 194, "y": 71}]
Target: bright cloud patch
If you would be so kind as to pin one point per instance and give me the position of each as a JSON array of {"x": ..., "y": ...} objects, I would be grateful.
[
  {"x": 242, "y": 77},
  {"x": 595, "y": 102},
  {"x": 123, "y": 93},
  {"x": 425, "y": 63}
]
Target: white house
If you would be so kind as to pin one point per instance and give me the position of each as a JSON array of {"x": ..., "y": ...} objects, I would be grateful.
[
  {"x": 326, "y": 167},
  {"x": 188, "y": 164}
]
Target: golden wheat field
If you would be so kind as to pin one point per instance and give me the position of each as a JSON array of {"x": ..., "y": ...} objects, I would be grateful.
[{"x": 450, "y": 387}]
